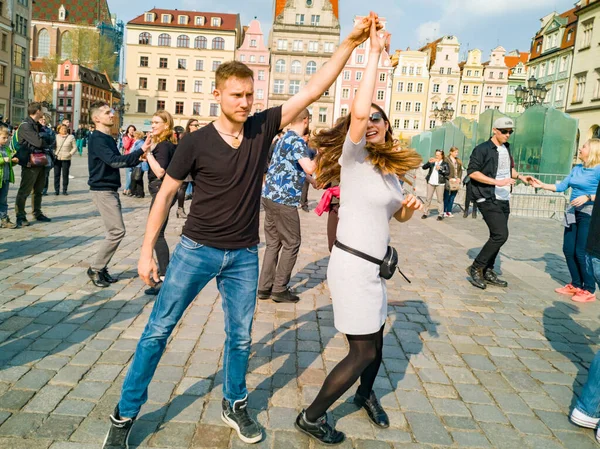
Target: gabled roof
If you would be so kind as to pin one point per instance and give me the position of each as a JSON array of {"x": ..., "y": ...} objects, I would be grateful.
[
  {"x": 89, "y": 12},
  {"x": 512, "y": 61},
  {"x": 432, "y": 47},
  {"x": 94, "y": 78},
  {"x": 229, "y": 22},
  {"x": 280, "y": 6},
  {"x": 565, "y": 19}
]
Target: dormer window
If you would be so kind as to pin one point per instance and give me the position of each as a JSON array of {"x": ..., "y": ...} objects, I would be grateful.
[
  {"x": 62, "y": 13},
  {"x": 67, "y": 70},
  {"x": 216, "y": 22},
  {"x": 200, "y": 20},
  {"x": 166, "y": 18},
  {"x": 183, "y": 20},
  {"x": 149, "y": 17}
]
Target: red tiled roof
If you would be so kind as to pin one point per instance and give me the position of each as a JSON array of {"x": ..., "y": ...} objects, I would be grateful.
[
  {"x": 89, "y": 12},
  {"x": 433, "y": 47},
  {"x": 571, "y": 25},
  {"x": 280, "y": 6},
  {"x": 228, "y": 21},
  {"x": 512, "y": 61}
]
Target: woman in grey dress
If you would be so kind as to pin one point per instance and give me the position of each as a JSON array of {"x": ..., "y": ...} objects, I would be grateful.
[{"x": 362, "y": 154}]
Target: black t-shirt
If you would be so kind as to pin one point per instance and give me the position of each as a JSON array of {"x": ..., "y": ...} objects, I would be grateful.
[
  {"x": 227, "y": 182},
  {"x": 163, "y": 153},
  {"x": 593, "y": 243}
]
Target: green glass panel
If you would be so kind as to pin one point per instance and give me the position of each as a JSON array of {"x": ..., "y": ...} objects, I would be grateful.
[
  {"x": 438, "y": 136},
  {"x": 526, "y": 142},
  {"x": 558, "y": 149}
]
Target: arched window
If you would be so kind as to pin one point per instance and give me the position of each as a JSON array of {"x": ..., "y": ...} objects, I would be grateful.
[
  {"x": 145, "y": 39},
  {"x": 218, "y": 43},
  {"x": 311, "y": 67},
  {"x": 43, "y": 44},
  {"x": 296, "y": 67},
  {"x": 164, "y": 40},
  {"x": 200, "y": 42},
  {"x": 280, "y": 66},
  {"x": 66, "y": 45},
  {"x": 183, "y": 41}
]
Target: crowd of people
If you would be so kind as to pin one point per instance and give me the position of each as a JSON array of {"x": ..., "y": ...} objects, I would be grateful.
[{"x": 241, "y": 161}]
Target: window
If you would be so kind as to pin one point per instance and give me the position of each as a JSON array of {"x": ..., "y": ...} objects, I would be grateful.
[
  {"x": 218, "y": 43},
  {"x": 149, "y": 17},
  {"x": 261, "y": 59},
  {"x": 434, "y": 105},
  {"x": 469, "y": 72},
  {"x": 260, "y": 94},
  {"x": 19, "y": 87},
  {"x": 476, "y": 72},
  {"x": 346, "y": 75},
  {"x": 182, "y": 64},
  {"x": 432, "y": 124},
  {"x": 313, "y": 46},
  {"x": 380, "y": 94},
  {"x": 400, "y": 86},
  {"x": 69, "y": 87},
  {"x": 343, "y": 111},
  {"x": 441, "y": 70},
  {"x": 511, "y": 90},
  {"x": 141, "y": 106},
  {"x": 196, "y": 108},
  {"x": 436, "y": 88},
  {"x": 294, "y": 87},
  {"x": 143, "y": 84},
  {"x": 199, "y": 64},
  {"x": 183, "y": 41},
  {"x": 465, "y": 89},
  {"x": 199, "y": 20},
  {"x": 261, "y": 75},
  {"x": 596, "y": 93},
  {"x": 406, "y": 124},
  {"x": 358, "y": 76},
  {"x": 2, "y": 75},
  {"x": 4, "y": 43},
  {"x": 215, "y": 65},
  {"x": 411, "y": 70},
  {"x": 160, "y": 104},
  {"x": 328, "y": 47},
  {"x": 66, "y": 45},
  {"x": 164, "y": 40},
  {"x": 198, "y": 86},
  {"x": 563, "y": 63},
  {"x": 345, "y": 93},
  {"x": 416, "y": 124},
  {"x": 314, "y": 20},
  {"x": 498, "y": 91},
  {"x": 579, "y": 87},
  {"x": 382, "y": 77},
  {"x": 311, "y": 67},
  {"x": 43, "y": 43},
  {"x": 408, "y": 106},
  {"x": 450, "y": 88},
  {"x": 360, "y": 59},
  {"x": 560, "y": 93},
  {"x": 180, "y": 85},
  {"x": 214, "y": 109},
  {"x": 501, "y": 75},
  {"x": 143, "y": 61},
  {"x": 409, "y": 87},
  {"x": 296, "y": 67},
  {"x": 404, "y": 70},
  {"x": 162, "y": 84},
  {"x": 61, "y": 101},
  {"x": 475, "y": 90},
  {"x": 398, "y": 106},
  {"x": 179, "y": 107},
  {"x": 253, "y": 43},
  {"x": 419, "y": 71},
  {"x": 488, "y": 92},
  {"x": 215, "y": 22},
  {"x": 69, "y": 102},
  {"x": 19, "y": 56},
  {"x": 491, "y": 75},
  {"x": 474, "y": 109},
  {"x": 280, "y": 66},
  {"x": 449, "y": 71},
  {"x": 212, "y": 86},
  {"x": 417, "y": 107},
  {"x": 281, "y": 44},
  {"x": 397, "y": 123},
  {"x": 420, "y": 87},
  {"x": 166, "y": 18},
  {"x": 487, "y": 107},
  {"x": 278, "y": 86},
  {"x": 200, "y": 42},
  {"x": 21, "y": 25},
  {"x": 463, "y": 109},
  {"x": 586, "y": 38},
  {"x": 299, "y": 19},
  {"x": 322, "y": 115},
  {"x": 297, "y": 46},
  {"x": 543, "y": 70}
]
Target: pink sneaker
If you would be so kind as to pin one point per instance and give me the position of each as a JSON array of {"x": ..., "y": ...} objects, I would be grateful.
[
  {"x": 583, "y": 296},
  {"x": 567, "y": 290}
]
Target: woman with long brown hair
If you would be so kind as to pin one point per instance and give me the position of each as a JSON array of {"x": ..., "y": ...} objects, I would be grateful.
[
  {"x": 161, "y": 142},
  {"x": 191, "y": 126},
  {"x": 363, "y": 155}
]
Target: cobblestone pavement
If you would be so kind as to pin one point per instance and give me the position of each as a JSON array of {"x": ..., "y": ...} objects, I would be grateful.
[{"x": 462, "y": 367}]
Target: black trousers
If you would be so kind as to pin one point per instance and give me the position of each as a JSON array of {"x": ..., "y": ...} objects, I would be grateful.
[
  {"x": 495, "y": 214},
  {"x": 61, "y": 167},
  {"x": 304, "y": 197},
  {"x": 469, "y": 199}
]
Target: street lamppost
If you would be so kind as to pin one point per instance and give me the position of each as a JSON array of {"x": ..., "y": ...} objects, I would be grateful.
[
  {"x": 531, "y": 95},
  {"x": 444, "y": 114},
  {"x": 121, "y": 109}
]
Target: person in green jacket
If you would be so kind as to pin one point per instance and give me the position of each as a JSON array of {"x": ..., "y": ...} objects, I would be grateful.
[{"x": 7, "y": 176}]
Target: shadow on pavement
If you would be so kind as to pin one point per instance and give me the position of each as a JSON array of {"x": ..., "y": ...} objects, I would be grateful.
[{"x": 13, "y": 249}]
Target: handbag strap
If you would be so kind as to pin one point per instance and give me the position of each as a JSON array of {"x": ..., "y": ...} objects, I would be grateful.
[{"x": 357, "y": 253}]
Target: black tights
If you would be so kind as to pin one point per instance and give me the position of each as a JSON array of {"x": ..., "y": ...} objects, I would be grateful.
[
  {"x": 363, "y": 360},
  {"x": 181, "y": 194}
]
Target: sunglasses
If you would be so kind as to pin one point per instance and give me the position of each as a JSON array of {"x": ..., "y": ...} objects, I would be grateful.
[
  {"x": 376, "y": 117},
  {"x": 195, "y": 125},
  {"x": 507, "y": 131}
]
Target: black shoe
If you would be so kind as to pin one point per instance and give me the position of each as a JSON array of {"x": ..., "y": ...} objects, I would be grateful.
[
  {"x": 264, "y": 294},
  {"x": 474, "y": 214},
  {"x": 44, "y": 192},
  {"x": 423, "y": 217},
  {"x": 285, "y": 296},
  {"x": 466, "y": 214},
  {"x": 107, "y": 277},
  {"x": 237, "y": 418},
  {"x": 97, "y": 278},
  {"x": 476, "y": 275},
  {"x": 153, "y": 291},
  {"x": 491, "y": 277},
  {"x": 43, "y": 218},
  {"x": 65, "y": 193},
  {"x": 305, "y": 208},
  {"x": 374, "y": 409},
  {"x": 57, "y": 193},
  {"x": 188, "y": 197},
  {"x": 7, "y": 224},
  {"x": 118, "y": 434},
  {"x": 22, "y": 222},
  {"x": 321, "y": 430},
  {"x": 440, "y": 218}
]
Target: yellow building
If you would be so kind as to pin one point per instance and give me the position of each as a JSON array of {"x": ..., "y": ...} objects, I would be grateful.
[
  {"x": 172, "y": 57},
  {"x": 471, "y": 86},
  {"x": 410, "y": 85}
]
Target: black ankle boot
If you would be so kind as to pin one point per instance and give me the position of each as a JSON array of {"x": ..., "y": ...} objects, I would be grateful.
[
  {"x": 374, "y": 409},
  {"x": 320, "y": 430},
  {"x": 476, "y": 275}
]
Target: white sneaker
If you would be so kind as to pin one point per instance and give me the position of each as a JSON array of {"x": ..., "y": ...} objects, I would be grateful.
[
  {"x": 449, "y": 214},
  {"x": 583, "y": 420},
  {"x": 71, "y": 177},
  {"x": 598, "y": 435}
]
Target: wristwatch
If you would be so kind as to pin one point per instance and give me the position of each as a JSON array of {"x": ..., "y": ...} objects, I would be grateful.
[{"x": 589, "y": 197}]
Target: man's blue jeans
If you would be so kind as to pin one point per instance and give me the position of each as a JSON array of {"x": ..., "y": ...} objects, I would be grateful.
[
  {"x": 589, "y": 401},
  {"x": 193, "y": 265}
]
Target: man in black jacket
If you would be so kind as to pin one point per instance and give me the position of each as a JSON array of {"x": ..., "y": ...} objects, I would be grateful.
[
  {"x": 32, "y": 177},
  {"x": 104, "y": 162},
  {"x": 492, "y": 173}
]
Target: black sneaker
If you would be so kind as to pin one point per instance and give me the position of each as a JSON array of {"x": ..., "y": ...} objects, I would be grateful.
[
  {"x": 476, "y": 275},
  {"x": 491, "y": 277},
  {"x": 440, "y": 218},
  {"x": 373, "y": 408},
  {"x": 423, "y": 217},
  {"x": 57, "y": 193},
  {"x": 285, "y": 296},
  {"x": 43, "y": 218},
  {"x": 118, "y": 434},
  {"x": 97, "y": 278},
  {"x": 65, "y": 193},
  {"x": 264, "y": 294},
  {"x": 153, "y": 291},
  {"x": 305, "y": 209},
  {"x": 22, "y": 222},
  {"x": 107, "y": 277},
  {"x": 237, "y": 418},
  {"x": 321, "y": 430}
]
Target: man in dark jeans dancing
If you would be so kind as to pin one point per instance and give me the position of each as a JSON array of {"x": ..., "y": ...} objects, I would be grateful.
[{"x": 492, "y": 173}]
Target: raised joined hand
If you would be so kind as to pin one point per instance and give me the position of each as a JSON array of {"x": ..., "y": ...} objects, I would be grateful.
[{"x": 412, "y": 202}]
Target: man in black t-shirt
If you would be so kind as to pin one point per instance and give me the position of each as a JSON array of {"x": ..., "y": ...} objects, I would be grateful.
[{"x": 226, "y": 159}]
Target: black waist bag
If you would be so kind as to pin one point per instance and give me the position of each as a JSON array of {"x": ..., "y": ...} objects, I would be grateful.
[{"x": 387, "y": 266}]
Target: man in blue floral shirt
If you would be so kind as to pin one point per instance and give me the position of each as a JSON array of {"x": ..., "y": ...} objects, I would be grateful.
[{"x": 285, "y": 177}]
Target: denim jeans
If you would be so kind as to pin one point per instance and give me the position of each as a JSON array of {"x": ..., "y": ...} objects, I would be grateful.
[
  {"x": 192, "y": 266},
  {"x": 128, "y": 171},
  {"x": 574, "y": 243},
  {"x": 4, "y": 199},
  {"x": 449, "y": 196}
]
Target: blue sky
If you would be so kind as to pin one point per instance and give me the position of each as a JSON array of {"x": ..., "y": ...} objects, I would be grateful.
[{"x": 482, "y": 24}]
